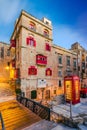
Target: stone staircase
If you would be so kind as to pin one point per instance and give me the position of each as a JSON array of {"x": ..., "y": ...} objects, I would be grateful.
[
  {"x": 6, "y": 92},
  {"x": 16, "y": 116}
]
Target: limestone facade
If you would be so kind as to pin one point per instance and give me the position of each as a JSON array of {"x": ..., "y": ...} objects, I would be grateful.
[
  {"x": 82, "y": 61},
  {"x": 42, "y": 65},
  {"x": 4, "y": 62}
]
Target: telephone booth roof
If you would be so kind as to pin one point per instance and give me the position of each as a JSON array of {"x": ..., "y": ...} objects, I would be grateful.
[{"x": 74, "y": 77}]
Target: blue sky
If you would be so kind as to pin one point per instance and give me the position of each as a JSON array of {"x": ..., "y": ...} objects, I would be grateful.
[{"x": 69, "y": 18}]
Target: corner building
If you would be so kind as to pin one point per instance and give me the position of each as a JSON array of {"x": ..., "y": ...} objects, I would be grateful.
[
  {"x": 82, "y": 62},
  {"x": 37, "y": 58}
]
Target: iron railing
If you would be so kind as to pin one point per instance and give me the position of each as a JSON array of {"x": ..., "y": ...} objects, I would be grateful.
[
  {"x": 2, "y": 122},
  {"x": 37, "y": 108}
]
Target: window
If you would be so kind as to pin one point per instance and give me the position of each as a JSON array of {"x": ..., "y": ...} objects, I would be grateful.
[
  {"x": 46, "y": 33},
  {"x": 32, "y": 70},
  {"x": 74, "y": 63},
  {"x": 8, "y": 64},
  {"x": 8, "y": 52},
  {"x": 2, "y": 52},
  {"x": 68, "y": 61},
  {"x": 60, "y": 59},
  {"x": 78, "y": 68},
  {"x": 83, "y": 64},
  {"x": 59, "y": 73},
  {"x": 48, "y": 47},
  {"x": 48, "y": 72},
  {"x": 41, "y": 59},
  {"x": 32, "y": 26},
  {"x": 30, "y": 41},
  {"x": 60, "y": 83},
  {"x": 83, "y": 57},
  {"x": 86, "y": 58},
  {"x": 54, "y": 91}
]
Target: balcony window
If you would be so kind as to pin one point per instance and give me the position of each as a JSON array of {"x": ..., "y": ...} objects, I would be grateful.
[
  {"x": 31, "y": 41},
  {"x": 32, "y": 70},
  {"x": 41, "y": 59},
  {"x": 68, "y": 61},
  {"x": 48, "y": 47},
  {"x": 60, "y": 73},
  {"x": 60, "y": 59},
  {"x": 74, "y": 63},
  {"x": 46, "y": 33},
  {"x": 48, "y": 72}
]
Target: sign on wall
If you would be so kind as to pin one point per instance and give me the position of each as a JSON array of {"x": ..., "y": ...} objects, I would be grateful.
[{"x": 41, "y": 83}]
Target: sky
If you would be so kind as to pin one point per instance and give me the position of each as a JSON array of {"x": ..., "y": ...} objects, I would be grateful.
[{"x": 69, "y": 19}]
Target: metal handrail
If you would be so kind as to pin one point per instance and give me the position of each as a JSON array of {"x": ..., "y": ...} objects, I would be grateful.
[
  {"x": 2, "y": 122},
  {"x": 34, "y": 106}
]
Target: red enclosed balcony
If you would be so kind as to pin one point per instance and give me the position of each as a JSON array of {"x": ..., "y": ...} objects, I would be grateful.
[
  {"x": 41, "y": 59},
  {"x": 13, "y": 43}
]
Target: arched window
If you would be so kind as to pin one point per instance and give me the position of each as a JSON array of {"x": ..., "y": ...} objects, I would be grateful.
[
  {"x": 46, "y": 33},
  {"x": 48, "y": 47},
  {"x": 32, "y": 26},
  {"x": 31, "y": 41},
  {"x": 48, "y": 72}
]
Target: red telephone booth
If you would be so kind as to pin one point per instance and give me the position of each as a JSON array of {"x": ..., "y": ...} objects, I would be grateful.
[{"x": 72, "y": 89}]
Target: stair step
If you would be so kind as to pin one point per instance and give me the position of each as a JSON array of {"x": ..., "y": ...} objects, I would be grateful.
[{"x": 16, "y": 116}]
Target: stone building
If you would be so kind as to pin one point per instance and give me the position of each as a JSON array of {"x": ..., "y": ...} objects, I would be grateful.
[
  {"x": 40, "y": 65},
  {"x": 82, "y": 61},
  {"x": 4, "y": 62}
]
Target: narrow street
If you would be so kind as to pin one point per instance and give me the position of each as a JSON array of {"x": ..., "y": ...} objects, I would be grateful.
[{"x": 6, "y": 92}]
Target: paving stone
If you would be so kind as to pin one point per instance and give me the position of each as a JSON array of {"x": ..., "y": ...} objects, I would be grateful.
[{"x": 42, "y": 125}]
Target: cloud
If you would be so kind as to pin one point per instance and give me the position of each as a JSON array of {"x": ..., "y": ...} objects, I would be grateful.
[
  {"x": 9, "y": 9},
  {"x": 64, "y": 36}
]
